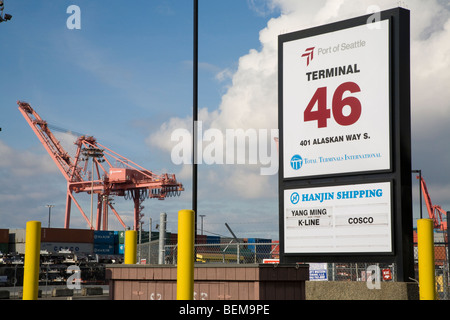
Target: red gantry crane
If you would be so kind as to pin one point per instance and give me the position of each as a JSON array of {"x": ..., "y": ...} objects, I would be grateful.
[
  {"x": 435, "y": 212},
  {"x": 111, "y": 174}
]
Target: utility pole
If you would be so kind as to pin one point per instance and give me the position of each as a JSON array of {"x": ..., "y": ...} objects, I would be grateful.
[
  {"x": 49, "y": 206},
  {"x": 201, "y": 216},
  {"x": 162, "y": 236},
  {"x": 420, "y": 189},
  {"x": 195, "y": 118}
]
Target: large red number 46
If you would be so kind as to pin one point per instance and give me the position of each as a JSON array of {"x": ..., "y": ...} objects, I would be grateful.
[{"x": 322, "y": 114}]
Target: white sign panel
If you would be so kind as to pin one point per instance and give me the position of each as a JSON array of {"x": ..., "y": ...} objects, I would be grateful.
[
  {"x": 336, "y": 102},
  {"x": 338, "y": 219}
]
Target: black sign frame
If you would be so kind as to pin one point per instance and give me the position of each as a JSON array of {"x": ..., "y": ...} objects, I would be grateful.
[{"x": 400, "y": 173}]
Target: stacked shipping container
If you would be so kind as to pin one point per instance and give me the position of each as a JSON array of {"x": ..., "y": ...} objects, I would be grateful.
[
  {"x": 55, "y": 240},
  {"x": 104, "y": 242},
  {"x": 75, "y": 240},
  {"x": 119, "y": 242},
  {"x": 4, "y": 239},
  {"x": 85, "y": 241}
]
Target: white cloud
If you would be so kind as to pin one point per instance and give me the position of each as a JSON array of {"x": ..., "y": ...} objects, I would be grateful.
[
  {"x": 261, "y": 7},
  {"x": 251, "y": 99},
  {"x": 24, "y": 163},
  {"x": 30, "y": 180},
  {"x": 67, "y": 141},
  {"x": 225, "y": 74},
  {"x": 430, "y": 62}
]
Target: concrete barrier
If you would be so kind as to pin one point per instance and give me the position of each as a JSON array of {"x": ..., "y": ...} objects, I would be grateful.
[
  {"x": 358, "y": 290},
  {"x": 20, "y": 294},
  {"x": 4, "y": 294},
  {"x": 92, "y": 291},
  {"x": 62, "y": 292}
]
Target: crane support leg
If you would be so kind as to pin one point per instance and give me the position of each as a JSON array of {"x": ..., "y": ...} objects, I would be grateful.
[
  {"x": 117, "y": 216},
  {"x": 105, "y": 213},
  {"x": 136, "y": 209},
  {"x": 99, "y": 212},
  {"x": 68, "y": 205},
  {"x": 81, "y": 210}
]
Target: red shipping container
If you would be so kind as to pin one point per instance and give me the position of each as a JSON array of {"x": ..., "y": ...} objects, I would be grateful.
[
  {"x": 4, "y": 235},
  {"x": 201, "y": 239},
  {"x": 119, "y": 174},
  {"x": 67, "y": 235}
]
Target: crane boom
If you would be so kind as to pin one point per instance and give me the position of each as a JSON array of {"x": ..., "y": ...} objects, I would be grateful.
[
  {"x": 111, "y": 174},
  {"x": 435, "y": 212},
  {"x": 48, "y": 140}
]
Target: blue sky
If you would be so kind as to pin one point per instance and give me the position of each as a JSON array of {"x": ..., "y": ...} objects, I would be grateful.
[
  {"x": 124, "y": 73},
  {"x": 126, "y": 78},
  {"x": 127, "y": 70}
]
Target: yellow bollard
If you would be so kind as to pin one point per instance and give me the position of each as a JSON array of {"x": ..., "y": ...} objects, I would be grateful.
[
  {"x": 130, "y": 247},
  {"x": 425, "y": 245},
  {"x": 185, "y": 259},
  {"x": 32, "y": 260}
]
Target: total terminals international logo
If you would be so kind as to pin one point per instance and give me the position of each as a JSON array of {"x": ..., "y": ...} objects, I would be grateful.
[{"x": 296, "y": 162}]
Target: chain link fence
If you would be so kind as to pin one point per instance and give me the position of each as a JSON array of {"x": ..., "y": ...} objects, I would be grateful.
[
  {"x": 232, "y": 252},
  {"x": 441, "y": 261}
]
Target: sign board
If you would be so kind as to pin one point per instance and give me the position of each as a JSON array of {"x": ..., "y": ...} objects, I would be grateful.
[
  {"x": 345, "y": 142},
  {"x": 318, "y": 272},
  {"x": 274, "y": 261},
  {"x": 337, "y": 219},
  {"x": 387, "y": 275},
  {"x": 336, "y": 102}
]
